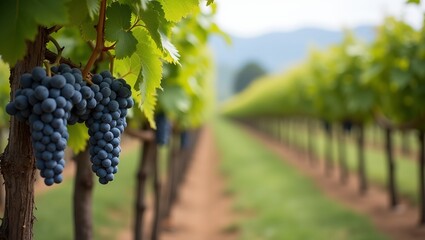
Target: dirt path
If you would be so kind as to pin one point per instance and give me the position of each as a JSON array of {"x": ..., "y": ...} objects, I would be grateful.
[
  {"x": 202, "y": 211},
  {"x": 400, "y": 224}
]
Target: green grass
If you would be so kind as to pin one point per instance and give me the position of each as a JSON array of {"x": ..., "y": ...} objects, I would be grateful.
[
  {"x": 277, "y": 202},
  {"x": 112, "y": 205},
  {"x": 376, "y": 163}
]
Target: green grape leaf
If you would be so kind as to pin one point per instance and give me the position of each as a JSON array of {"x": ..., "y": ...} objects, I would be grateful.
[
  {"x": 417, "y": 68},
  {"x": 171, "y": 54},
  {"x": 414, "y": 1},
  {"x": 214, "y": 28},
  {"x": 174, "y": 100},
  {"x": 153, "y": 17},
  {"x": 126, "y": 45},
  {"x": 149, "y": 77},
  {"x": 128, "y": 68},
  {"x": 78, "y": 137},
  {"x": 88, "y": 29},
  {"x": 93, "y": 7},
  {"x": 118, "y": 20},
  {"x": 400, "y": 78},
  {"x": 156, "y": 24},
  {"x": 78, "y": 11},
  {"x": 4, "y": 92},
  {"x": 23, "y": 20},
  {"x": 143, "y": 3},
  {"x": 176, "y": 10}
]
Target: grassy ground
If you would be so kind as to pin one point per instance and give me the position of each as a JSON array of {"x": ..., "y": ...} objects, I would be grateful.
[
  {"x": 112, "y": 205},
  {"x": 278, "y": 202},
  {"x": 376, "y": 163}
]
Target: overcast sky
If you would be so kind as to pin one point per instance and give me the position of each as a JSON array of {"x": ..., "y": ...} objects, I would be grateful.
[{"x": 247, "y": 18}]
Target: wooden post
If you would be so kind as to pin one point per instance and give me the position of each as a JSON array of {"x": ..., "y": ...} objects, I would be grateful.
[
  {"x": 361, "y": 160},
  {"x": 83, "y": 191},
  {"x": 392, "y": 187},
  {"x": 421, "y": 141},
  {"x": 157, "y": 195},
  {"x": 148, "y": 149}
]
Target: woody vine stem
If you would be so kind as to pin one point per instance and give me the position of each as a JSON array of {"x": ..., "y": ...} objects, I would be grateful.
[{"x": 100, "y": 41}]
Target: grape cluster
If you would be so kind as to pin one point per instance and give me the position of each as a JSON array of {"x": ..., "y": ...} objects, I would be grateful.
[
  {"x": 49, "y": 104},
  {"x": 81, "y": 95},
  {"x": 107, "y": 123},
  {"x": 347, "y": 125},
  {"x": 184, "y": 140},
  {"x": 42, "y": 102},
  {"x": 163, "y": 129}
]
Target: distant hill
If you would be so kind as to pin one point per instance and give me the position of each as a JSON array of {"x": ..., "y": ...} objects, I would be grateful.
[{"x": 275, "y": 51}]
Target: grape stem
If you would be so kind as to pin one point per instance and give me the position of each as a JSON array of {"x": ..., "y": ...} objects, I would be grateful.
[
  {"x": 102, "y": 56},
  {"x": 51, "y": 56},
  {"x": 111, "y": 59},
  {"x": 100, "y": 41},
  {"x": 54, "y": 29},
  {"x": 48, "y": 65},
  {"x": 105, "y": 49},
  {"x": 136, "y": 24},
  {"x": 59, "y": 49}
]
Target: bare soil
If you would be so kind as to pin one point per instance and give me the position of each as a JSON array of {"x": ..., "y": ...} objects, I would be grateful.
[
  {"x": 203, "y": 211},
  {"x": 399, "y": 224}
]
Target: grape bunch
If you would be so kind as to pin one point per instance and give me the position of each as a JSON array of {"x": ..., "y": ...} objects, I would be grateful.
[
  {"x": 45, "y": 104},
  {"x": 49, "y": 104},
  {"x": 106, "y": 124},
  {"x": 347, "y": 125},
  {"x": 82, "y": 96},
  {"x": 184, "y": 140},
  {"x": 163, "y": 129}
]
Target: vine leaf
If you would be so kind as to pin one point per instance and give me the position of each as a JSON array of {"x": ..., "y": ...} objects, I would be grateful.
[
  {"x": 88, "y": 29},
  {"x": 126, "y": 45},
  {"x": 78, "y": 11},
  {"x": 149, "y": 77},
  {"x": 116, "y": 29},
  {"x": 118, "y": 20},
  {"x": 23, "y": 20},
  {"x": 78, "y": 137},
  {"x": 175, "y": 10},
  {"x": 414, "y": 1},
  {"x": 157, "y": 25},
  {"x": 145, "y": 3},
  {"x": 128, "y": 68},
  {"x": 175, "y": 100},
  {"x": 93, "y": 7},
  {"x": 170, "y": 51},
  {"x": 4, "y": 92},
  {"x": 153, "y": 17}
]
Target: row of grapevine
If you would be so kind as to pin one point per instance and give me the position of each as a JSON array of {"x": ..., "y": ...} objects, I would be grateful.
[
  {"x": 142, "y": 42},
  {"x": 353, "y": 83},
  {"x": 183, "y": 106}
]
